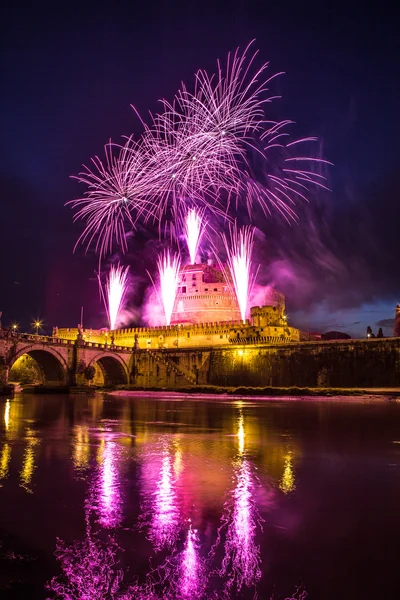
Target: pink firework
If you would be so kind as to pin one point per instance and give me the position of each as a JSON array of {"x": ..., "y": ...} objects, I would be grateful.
[
  {"x": 239, "y": 249},
  {"x": 214, "y": 145},
  {"x": 119, "y": 193},
  {"x": 194, "y": 225},
  {"x": 116, "y": 288},
  {"x": 168, "y": 269}
]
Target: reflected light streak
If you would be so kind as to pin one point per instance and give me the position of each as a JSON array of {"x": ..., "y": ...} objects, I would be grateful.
[
  {"x": 110, "y": 497},
  {"x": 192, "y": 577},
  {"x": 5, "y": 458},
  {"x": 241, "y": 563},
  {"x": 28, "y": 461},
  {"x": 90, "y": 569},
  {"x": 81, "y": 448},
  {"x": 178, "y": 463},
  {"x": 7, "y": 414},
  {"x": 106, "y": 494},
  {"x": 241, "y": 434},
  {"x": 288, "y": 483},
  {"x": 164, "y": 526}
]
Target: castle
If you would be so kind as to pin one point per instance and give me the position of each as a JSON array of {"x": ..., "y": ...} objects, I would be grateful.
[{"x": 205, "y": 313}]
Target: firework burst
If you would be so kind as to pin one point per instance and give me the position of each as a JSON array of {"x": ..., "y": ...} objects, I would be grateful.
[
  {"x": 193, "y": 227},
  {"x": 168, "y": 269},
  {"x": 119, "y": 193},
  {"x": 212, "y": 147},
  {"x": 116, "y": 288},
  {"x": 239, "y": 247}
]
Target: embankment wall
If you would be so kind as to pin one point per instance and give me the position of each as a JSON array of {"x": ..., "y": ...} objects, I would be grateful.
[{"x": 344, "y": 363}]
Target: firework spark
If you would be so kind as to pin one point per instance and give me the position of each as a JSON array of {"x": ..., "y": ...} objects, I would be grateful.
[
  {"x": 194, "y": 225},
  {"x": 214, "y": 145},
  {"x": 239, "y": 247},
  {"x": 119, "y": 193},
  {"x": 168, "y": 268},
  {"x": 116, "y": 288}
]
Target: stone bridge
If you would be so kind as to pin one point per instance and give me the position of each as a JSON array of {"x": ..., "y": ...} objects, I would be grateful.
[{"x": 63, "y": 362}]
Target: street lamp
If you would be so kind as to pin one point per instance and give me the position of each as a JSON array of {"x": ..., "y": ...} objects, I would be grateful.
[
  {"x": 37, "y": 325},
  {"x": 14, "y": 327}
]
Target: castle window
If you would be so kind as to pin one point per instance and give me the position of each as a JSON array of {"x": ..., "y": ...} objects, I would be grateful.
[
  {"x": 194, "y": 277},
  {"x": 194, "y": 284},
  {"x": 206, "y": 289},
  {"x": 184, "y": 289},
  {"x": 215, "y": 289}
]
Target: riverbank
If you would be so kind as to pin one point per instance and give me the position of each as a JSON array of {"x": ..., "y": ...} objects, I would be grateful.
[{"x": 210, "y": 390}]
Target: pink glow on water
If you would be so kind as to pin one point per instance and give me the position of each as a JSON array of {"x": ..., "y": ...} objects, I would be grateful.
[
  {"x": 192, "y": 577},
  {"x": 164, "y": 526},
  {"x": 168, "y": 269},
  {"x": 116, "y": 288},
  {"x": 239, "y": 249},
  {"x": 194, "y": 225},
  {"x": 108, "y": 495},
  {"x": 241, "y": 563}
]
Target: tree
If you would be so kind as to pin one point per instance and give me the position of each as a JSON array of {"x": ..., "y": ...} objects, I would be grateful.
[{"x": 89, "y": 373}]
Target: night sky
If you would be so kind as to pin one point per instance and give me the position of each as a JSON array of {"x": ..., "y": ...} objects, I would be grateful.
[{"x": 69, "y": 74}]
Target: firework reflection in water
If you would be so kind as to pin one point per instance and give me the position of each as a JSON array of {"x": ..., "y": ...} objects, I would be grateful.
[
  {"x": 160, "y": 511},
  {"x": 194, "y": 225},
  {"x": 168, "y": 269},
  {"x": 105, "y": 496},
  {"x": 242, "y": 560},
  {"x": 239, "y": 248},
  {"x": 116, "y": 288}
]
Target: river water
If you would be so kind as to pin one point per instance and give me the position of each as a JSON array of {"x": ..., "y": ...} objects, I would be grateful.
[{"x": 149, "y": 498}]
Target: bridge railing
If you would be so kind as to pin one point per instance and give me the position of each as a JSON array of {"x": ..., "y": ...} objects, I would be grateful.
[{"x": 47, "y": 339}]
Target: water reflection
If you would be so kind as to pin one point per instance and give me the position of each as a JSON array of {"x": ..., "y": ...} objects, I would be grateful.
[
  {"x": 105, "y": 494},
  {"x": 192, "y": 576},
  {"x": 28, "y": 461},
  {"x": 7, "y": 414},
  {"x": 241, "y": 562},
  {"x": 201, "y": 478},
  {"x": 90, "y": 568},
  {"x": 161, "y": 468},
  {"x": 5, "y": 458},
  {"x": 288, "y": 483},
  {"x": 81, "y": 448}
]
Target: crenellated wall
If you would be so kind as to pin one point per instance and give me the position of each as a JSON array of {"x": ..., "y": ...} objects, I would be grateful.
[{"x": 186, "y": 336}]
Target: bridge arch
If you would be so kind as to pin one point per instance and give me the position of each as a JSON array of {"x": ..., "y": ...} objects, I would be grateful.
[
  {"x": 112, "y": 367},
  {"x": 52, "y": 364}
]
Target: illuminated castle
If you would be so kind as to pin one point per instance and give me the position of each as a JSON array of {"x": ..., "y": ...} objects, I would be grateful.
[
  {"x": 206, "y": 295},
  {"x": 203, "y": 296},
  {"x": 205, "y": 313}
]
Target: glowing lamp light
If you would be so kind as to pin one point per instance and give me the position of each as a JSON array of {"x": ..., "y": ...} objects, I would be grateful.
[
  {"x": 240, "y": 352},
  {"x": 37, "y": 324}
]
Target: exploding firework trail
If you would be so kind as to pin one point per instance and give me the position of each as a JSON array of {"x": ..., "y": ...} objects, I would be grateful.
[
  {"x": 193, "y": 227},
  {"x": 115, "y": 292},
  {"x": 239, "y": 248},
  {"x": 213, "y": 145},
  {"x": 168, "y": 269},
  {"x": 119, "y": 194}
]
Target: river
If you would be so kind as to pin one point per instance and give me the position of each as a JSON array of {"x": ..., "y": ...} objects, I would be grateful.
[{"x": 172, "y": 498}]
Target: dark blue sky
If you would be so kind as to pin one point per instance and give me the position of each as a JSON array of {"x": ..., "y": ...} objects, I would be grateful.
[{"x": 69, "y": 74}]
